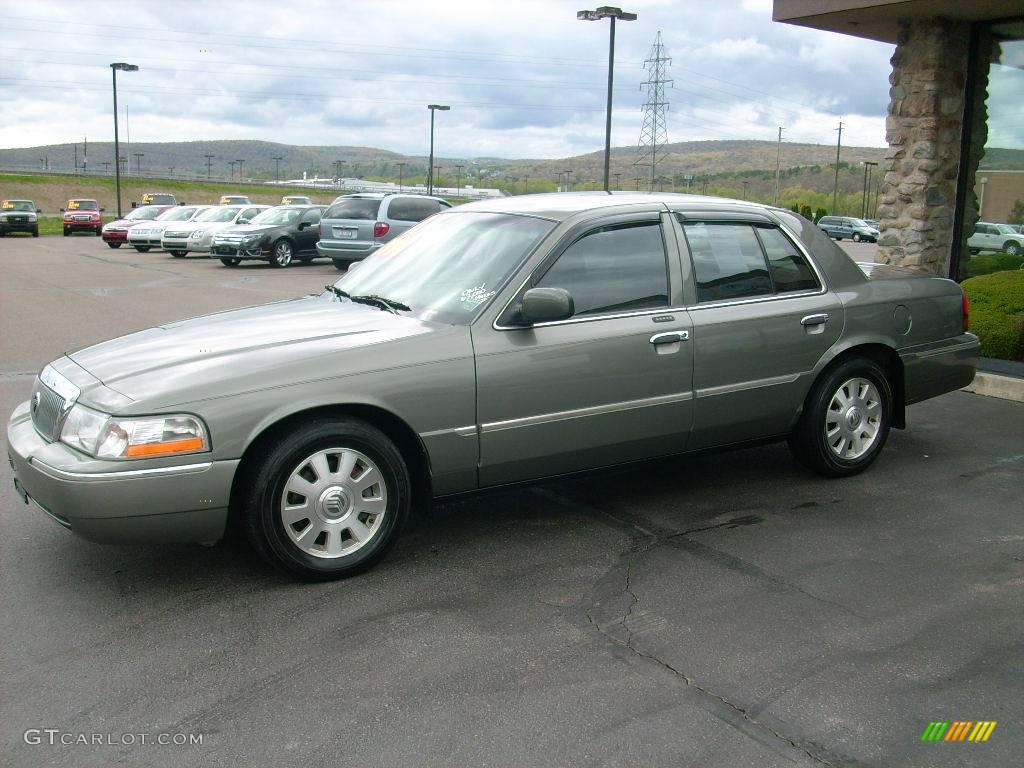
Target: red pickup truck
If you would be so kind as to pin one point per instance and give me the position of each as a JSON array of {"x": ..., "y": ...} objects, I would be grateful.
[{"x": 81, "y": 215}]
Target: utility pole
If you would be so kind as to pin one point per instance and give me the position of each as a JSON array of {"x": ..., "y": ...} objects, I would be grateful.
[
  {"x": 171, "y": 169},
  {"x": 106, "y": 167},
  {"x": 437, "y": 175},
  {"x": 617, "y": 177},
  {"x": 568, "y": 182},
  {"x": 76, "y": 158},
  {"x": 138, "y": 162},
  {"x": 778, "y": 164},
  {"x": 277, "y": 168},
  {"x": 430, "y": 162},
  {"x": 637, "y": 180},
  {"x": 232, "y": 172},
  {"x": 704, "y": 186},
  {"x": 85, "y": 154},
  {"x": 745, "y": 183},
  {"x": 114, "y": 68},
  {"x": 209, "y": 164},
  {"x": 835, "y": 187},
  {"x": 526, "y": 185},
  {"x": 458, "y": 179},
  {"x": 401, "y": 175},
  {"x": 239, "y": 169},
  {"x": 654, "y": 131}
]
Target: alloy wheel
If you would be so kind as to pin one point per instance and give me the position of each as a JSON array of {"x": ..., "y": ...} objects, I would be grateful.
[{"x": 854, "y": 419}]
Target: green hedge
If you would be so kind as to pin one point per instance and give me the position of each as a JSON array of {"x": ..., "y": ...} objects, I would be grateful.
[
  {"x": 997, "y": 313},
  {"x": 987, "y": 263}
]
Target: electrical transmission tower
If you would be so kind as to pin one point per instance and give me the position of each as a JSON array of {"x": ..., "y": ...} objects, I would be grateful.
[{"x": 654, "y": 133}]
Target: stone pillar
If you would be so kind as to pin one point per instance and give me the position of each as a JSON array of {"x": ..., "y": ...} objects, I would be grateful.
[{"x": 926, "y": 107}]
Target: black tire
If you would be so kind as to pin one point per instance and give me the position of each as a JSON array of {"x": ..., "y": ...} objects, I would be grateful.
[
  {"x": 142, "y": 248},
  {"x": 342, "y": 265},
  {"x": 281, "y": 253},
  {"x": 268, "y": 474},
  {"x": 113, "y": 245},
  {"x": 809, "y": 442},
  {"x": 99, "y": 233},
  {"x": 974, "y": 251},
  {"x": 67, "y": 232},
  {"x": 178, "y": 254},
  {"x": 856, "y": 237},
  {"x": 2, "y": 233},
  {"x": 1012, "y": 248},
  {"x": 230, "y": 261},
  {"x": 35, "y": 232}
]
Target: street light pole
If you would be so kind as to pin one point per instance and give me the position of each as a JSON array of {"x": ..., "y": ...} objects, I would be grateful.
[
  {"x": 458, "y": 180},
  {"x": 401, "y": 171},
  {"x": 865, "y": 207},
  {"x": 120, "y": 65},
  {"x": 430, "y": 165},
  {"x": 607, "y": 12},
  {"x": 209, "y": 164}
]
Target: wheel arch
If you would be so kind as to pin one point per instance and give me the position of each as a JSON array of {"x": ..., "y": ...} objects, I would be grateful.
[
  {"x": 394, "y": 427},
  {"x": 880, "y": 353}
]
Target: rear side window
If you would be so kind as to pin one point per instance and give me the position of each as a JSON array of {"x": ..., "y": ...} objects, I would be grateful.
[
  {"x": 411, "y": 209},
  {"x": 613, "y": 269},
  {"x": 727, "y": 260},
  {"x": 788, "y": 267},
  {"x": 361, "y": 208}
]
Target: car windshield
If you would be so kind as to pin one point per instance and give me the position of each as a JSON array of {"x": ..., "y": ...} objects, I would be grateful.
[
  {"x": 177, "y": 214},
  {"x": 449, "y": 267},
  {"x": 83, "y": 205},
  {"x": 1006, "y": 229},
  {"x": 145, "y": 213},
  {"x": 218, "y": 214},
  {"x": 277, "y": 216},
  {"x": 19, "y": 205},
  {"x": 859, "y": 223}
]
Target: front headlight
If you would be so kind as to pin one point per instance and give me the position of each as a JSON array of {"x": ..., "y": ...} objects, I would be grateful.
[
  {"x": 197, "y": 235},
  {"x": 31, "y": 217},
  {"x": 252, "y": 242},
  {"x": 111, "y": 437}
]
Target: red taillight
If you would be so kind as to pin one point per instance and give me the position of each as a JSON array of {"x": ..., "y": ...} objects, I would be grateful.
[
  {"x": 965, "y": 311},
  {"x": 381, "y": 228}
]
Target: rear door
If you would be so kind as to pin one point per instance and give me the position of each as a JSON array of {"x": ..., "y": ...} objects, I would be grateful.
[
  {"x": 609, "y": 385},
  {"x": 306, "y": 236},
  {"x": 762, "y": 316}
]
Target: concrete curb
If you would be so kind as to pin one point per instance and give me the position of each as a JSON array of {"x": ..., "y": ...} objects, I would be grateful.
[{"x": 994, "y": 385}]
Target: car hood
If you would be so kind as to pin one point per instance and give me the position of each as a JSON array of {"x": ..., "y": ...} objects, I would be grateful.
[
  {"x": 127, "y": 223},
  {"x": 252, "y": 348},
  {"x": 249, "y": 229}
]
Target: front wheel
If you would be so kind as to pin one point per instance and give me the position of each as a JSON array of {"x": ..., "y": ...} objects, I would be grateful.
[
  {"x": 230, "y": 262},
  {"x": 142, "y": 248},
  {"x": 281, "y": 255},
  {"x": 178, "y": 254},
  {"x": 35, "y": 232},
  {"x": 113, "y": 245},
  {"x": 846, "y": 419},
  {"x": 67, "y": 232},
  {"x": 342, "y": 265},
  {"x": 1012, "y": 248},
  {"x": 328, "y": 500},
  {"x": 99, "y": 233}
]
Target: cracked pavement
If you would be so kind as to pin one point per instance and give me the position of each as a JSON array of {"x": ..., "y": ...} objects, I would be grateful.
[{"x": 721, "y": 610}]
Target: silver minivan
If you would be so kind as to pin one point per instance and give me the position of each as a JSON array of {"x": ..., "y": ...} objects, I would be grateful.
[{"x": 357, "y": 225}]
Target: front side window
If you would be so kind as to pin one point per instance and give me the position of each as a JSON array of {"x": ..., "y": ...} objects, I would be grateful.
[
  {"x": 312, "y": 216},
  {"x": 613, "y": 269}
]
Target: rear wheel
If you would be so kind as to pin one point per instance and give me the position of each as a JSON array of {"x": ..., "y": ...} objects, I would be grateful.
[
  {"x": 230, "y": 262},
  {"x": 328, "y": 500},
  {"x": 1012, "y": 248},
  {"x": 178, "y": 254},
  {"x": 856, "y": 237},
  {"x": 281, "y": 254},
  {"x": 846, "y": 419},
  {"x": 974, "y": 251},
  {"x": 113, "y": 245},
  {"x": 342, "y": 265},
  {"x": 142, "y": 248}
]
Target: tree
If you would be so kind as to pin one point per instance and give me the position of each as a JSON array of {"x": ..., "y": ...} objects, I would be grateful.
[
  {"x": 805, "y": 211},
  {"x": 819, "y": 213},
  {"x": 1017, "y": 214},
  {"x": 795, "y": 208}
]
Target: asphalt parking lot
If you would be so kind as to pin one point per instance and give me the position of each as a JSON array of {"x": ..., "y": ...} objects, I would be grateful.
[{"x": 725, "y": 610}]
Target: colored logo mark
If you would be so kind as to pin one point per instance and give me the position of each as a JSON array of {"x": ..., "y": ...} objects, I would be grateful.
[{"x": 958, "y": 730}]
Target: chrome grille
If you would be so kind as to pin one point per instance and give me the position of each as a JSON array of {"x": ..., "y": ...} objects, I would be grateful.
[{"x": 48, "y": 411}]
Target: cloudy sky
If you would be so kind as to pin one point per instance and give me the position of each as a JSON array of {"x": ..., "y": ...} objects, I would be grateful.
[{"x": 524, "y": 79}]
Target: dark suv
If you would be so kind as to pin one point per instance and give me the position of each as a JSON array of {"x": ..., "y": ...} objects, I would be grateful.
[
  {"x": 277, "y": 235},
  {"x": 355, "y": 226}
]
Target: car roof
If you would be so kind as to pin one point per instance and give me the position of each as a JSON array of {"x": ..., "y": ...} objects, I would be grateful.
[
  {"x": 16, "y": 200},
  {"x": 563, "y": 205}
]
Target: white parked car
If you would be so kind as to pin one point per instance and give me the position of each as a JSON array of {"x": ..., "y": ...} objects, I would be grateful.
[
  {"x": 995, "y": 237},
  {"x": 147, "y": 236},
  {"x": 196, "y": 235}
]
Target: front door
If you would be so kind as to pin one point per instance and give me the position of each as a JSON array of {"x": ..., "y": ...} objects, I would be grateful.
[
  {"x": 611, "y": 384},
  {"x": 306, "y": 238}
]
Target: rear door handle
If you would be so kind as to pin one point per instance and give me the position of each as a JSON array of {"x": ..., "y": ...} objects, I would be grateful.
[
  {"x": 670, "y": 337},
  {"x": 814, "y": 319}
]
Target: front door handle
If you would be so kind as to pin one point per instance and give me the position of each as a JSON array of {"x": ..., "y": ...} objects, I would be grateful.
[
  {"x": 814, "y": 320},
  {"x": 670, "y": 337}
]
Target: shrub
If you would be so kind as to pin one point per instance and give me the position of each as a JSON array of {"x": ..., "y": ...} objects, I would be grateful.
[
  {"x": 997, "y": 313},
  {"x": 987, "y": 263},
  {"x": 805, "y": 211},
  {"x": 819, "y": 213}
]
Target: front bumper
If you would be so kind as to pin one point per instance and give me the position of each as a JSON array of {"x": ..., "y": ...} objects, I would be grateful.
[
  {"x": 115, "y": 236},
  {"x": 151, "y": 241},
  {"x": 174, "y": 243},
  {"x": 234, "y": 251},
  {"x": 21, "y": 226},
  {"x": 932, "y": 369},
  {"x": 119, "y": 501},
  {"x": 93, "y": 226}
]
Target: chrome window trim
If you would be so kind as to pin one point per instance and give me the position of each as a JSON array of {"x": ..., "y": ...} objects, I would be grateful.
[
  {"x": 586, "y": 318},
  {"x": 63, "y": 474},
  {"x": 577, "y": 413}
]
